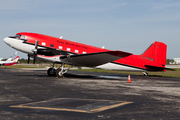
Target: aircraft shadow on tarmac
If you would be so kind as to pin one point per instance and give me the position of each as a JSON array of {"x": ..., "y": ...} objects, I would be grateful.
[{"x": 95, "y": 76}]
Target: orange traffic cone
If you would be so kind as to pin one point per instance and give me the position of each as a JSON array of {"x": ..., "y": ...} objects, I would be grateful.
[{"x": 129, "y": 79}]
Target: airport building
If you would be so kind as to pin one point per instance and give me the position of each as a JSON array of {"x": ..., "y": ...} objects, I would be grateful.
[{"x": 176, "y": 60}]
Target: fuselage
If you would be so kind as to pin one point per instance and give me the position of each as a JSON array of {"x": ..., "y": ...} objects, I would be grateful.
[{"x": 25, "y": 42}]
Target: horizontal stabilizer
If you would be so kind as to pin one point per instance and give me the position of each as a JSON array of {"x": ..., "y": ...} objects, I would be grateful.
[
  {"x": 93, "y": 59},
  {"x": 155, "y": 68}
]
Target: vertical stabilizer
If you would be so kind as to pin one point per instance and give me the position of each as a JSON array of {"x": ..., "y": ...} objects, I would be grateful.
[
  {"x": 16, "y": 59},
  {"x": 157, "y": 53}
]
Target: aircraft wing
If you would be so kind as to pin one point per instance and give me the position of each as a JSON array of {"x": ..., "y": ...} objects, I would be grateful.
[
  {"x": 155, "y": 68},
  {"x": 93, "y": 59},
  {"x": 51, "y": 52}
]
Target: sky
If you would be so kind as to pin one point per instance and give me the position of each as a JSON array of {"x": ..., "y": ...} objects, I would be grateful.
[{"x": 125, "y": 25}]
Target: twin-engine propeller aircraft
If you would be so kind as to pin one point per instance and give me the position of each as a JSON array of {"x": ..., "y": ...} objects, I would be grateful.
[
  {"x": 61, "y": 51},
  {"x": 9, "y": 61}
]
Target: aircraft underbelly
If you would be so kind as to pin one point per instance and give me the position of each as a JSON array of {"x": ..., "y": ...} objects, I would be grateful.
[
  {"x": 50, "y": 59},
  {"x": 113, "y": 66}
]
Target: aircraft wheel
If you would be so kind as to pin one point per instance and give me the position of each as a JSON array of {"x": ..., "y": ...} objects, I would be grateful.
[
  {"x": 51, "y": 72},
  {"x": 145, "y": 74},
  {"x": 58, "y": 73}
]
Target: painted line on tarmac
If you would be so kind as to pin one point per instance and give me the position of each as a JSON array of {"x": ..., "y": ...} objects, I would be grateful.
[{"x": 90, "y": 106}]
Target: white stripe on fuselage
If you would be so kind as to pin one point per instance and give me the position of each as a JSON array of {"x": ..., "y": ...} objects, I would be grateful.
[
  {"x": 27, "y": 48},
  {"x": 113, "y": 66},
  {"x": 19, "y": 45},
  {"x": 51, "y": 59}
]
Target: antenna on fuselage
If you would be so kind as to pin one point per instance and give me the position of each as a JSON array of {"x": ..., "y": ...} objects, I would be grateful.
[
  {"x": 15, "y": 53},
  {"x": 61, "y": 37},
  {"x": 103, "y": 47}
]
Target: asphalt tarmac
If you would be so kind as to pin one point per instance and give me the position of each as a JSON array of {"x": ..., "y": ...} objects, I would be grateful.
[{"x": 32, "y": 95}]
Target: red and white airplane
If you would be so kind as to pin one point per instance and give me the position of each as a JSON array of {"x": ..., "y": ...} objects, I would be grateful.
[
  {"x": 61, "y": 51},
  {"x": 9, "y": 61}
]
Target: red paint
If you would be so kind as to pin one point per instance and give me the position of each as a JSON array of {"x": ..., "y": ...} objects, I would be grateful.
[{"x": 155, "y": 55}]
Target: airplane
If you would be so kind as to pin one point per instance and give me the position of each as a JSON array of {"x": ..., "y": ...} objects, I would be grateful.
[
  {"x": 2, "y": 63},
  {"x": 61, "y": 51},
  {"x": 9, "y": 61}
]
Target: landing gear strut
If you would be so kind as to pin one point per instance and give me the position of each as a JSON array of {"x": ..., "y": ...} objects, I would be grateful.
[{"x": 60, "y": 71}]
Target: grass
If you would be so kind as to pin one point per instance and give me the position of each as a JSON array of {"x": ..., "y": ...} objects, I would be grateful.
[
  {"x": 168, "y": 73},
  {"x": 25, "y": 66},
  {"x": 31, "y": 66}
]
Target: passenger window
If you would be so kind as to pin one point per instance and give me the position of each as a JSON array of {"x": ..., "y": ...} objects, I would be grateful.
[
  {"x": 60, "y": 47},
  {"x": 43, "y": 43},
  {"x": 68, "y": 49},
  {"x": 76, "y": 51}
]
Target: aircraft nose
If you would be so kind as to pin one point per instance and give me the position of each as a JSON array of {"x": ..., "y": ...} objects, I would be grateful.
[{"x": 6, "y": 40}]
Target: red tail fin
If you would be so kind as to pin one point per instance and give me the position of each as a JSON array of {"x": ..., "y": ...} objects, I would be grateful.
[
  {"x": 157, "y": 53},
  {"x": 16, "y": 59}
]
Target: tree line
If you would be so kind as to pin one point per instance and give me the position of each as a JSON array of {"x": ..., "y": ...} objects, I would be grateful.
[{"x": 22, "y": 60}]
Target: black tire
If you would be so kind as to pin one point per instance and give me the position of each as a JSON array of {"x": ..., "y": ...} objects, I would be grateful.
[{"x": 51, "y": 72}]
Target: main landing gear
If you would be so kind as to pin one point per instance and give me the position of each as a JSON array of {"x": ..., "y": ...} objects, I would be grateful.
[
  {"x": 57, "y": 72},
  {"x": 145, "y": 73}
]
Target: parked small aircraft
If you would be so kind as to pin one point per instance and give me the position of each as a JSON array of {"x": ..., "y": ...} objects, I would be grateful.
[
  {"x": 9, "y": 61},
  {"x": 61, "y": 51}
]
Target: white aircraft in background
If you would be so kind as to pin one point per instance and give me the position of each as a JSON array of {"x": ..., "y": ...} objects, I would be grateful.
[{"x": 9, "y": 61}]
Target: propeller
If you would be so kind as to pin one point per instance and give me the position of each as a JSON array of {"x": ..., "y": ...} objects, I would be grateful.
[
  {"x": 34, "y": 60},
  {"x": 35, "y": 51},
  {"x": 29, "y": 58}
]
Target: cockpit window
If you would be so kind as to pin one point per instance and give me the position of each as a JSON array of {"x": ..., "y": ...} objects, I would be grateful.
[
  {"x": 23, "y": 37},
  {"x": 20, "y": 36}
]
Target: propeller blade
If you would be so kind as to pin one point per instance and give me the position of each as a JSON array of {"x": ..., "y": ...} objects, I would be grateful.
[
  {"x": 34, "y": 60},
  {"x": 36, "y": 44},
  {"x": 28, "y": 58},
  {"x": 35, "y": 51}
]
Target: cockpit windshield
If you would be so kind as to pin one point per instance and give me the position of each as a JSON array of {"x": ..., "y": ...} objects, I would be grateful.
[{"x": 20, "y": 36}]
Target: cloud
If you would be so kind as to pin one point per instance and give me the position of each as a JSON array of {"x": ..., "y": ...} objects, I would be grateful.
[
  {"x": 15, "y": 4},
  {"x": 164, "y": 6},
  {"x": 27, "y": 4}
]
